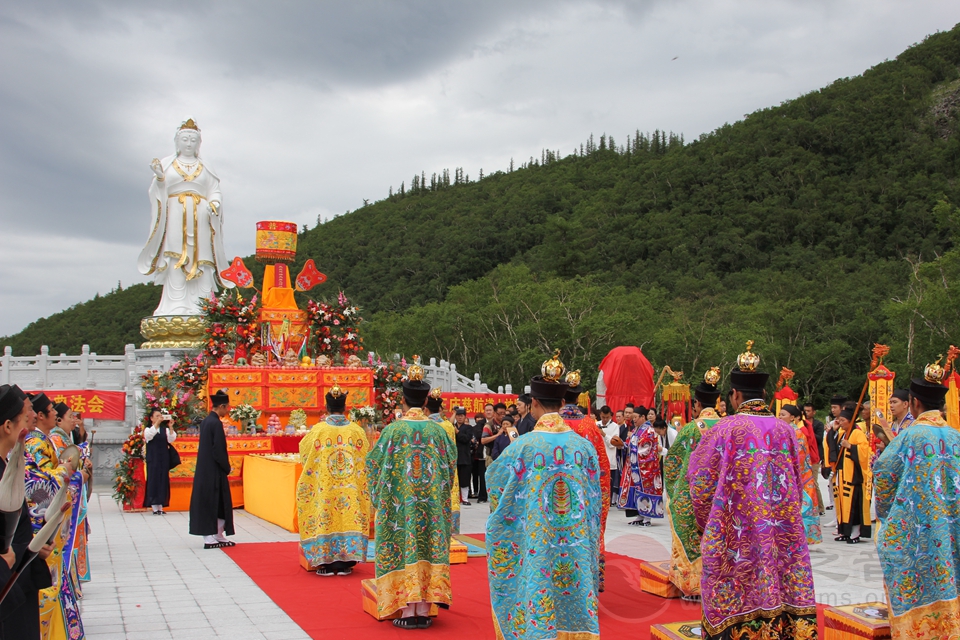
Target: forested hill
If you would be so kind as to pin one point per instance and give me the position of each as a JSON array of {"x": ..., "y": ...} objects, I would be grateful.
[{"x": 811, "y": 227}]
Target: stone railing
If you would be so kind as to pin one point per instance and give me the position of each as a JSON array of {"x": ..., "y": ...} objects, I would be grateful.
[
  {"x": 445, "y": 376},
  {"x": 91, "y": 371}
]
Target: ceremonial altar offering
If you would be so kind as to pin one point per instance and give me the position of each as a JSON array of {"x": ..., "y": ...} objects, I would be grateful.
[
  {"x": 270, "y": 488},
  {"x": 676, "y": 631},
  {"x": 238, "y": 448},
  {"x": 655, "y": 579},
  {"x": 368, "y": 592},
  {"x": 280, "y": 390},
  {"x": 856, "y": 621}
]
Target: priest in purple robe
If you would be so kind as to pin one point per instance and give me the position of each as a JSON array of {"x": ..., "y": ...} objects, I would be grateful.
[{"x": 746, "y": 489}]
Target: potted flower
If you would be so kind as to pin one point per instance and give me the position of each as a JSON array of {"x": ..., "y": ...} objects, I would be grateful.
[{"x": 246, "y": 416}]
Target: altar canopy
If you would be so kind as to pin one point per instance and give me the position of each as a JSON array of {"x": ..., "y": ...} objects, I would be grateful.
[{"x": 627, "y": 376}]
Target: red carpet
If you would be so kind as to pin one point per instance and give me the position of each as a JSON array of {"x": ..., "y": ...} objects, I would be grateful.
[{"x": 330, "y": 607}]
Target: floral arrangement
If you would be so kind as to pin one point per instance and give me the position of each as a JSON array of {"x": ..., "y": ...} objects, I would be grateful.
[
  {"x": 231, "y": 322},
  {"x": 244, "y": 413},
  {"x": 298, "y": 418},
  {"x": 124, "y": 484},
  {"x": 363, "y": 413},
  {"x": 335, "y": 327},
  {"x": 387, "y": 389},
  {"x": 190, "y": 375}
]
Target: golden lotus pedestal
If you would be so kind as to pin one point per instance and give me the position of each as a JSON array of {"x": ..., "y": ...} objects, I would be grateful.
[{"x": 172, "y": 332}]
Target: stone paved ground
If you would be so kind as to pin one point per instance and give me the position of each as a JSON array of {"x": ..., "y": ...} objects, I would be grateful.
[{"x": 153, "y": 580}]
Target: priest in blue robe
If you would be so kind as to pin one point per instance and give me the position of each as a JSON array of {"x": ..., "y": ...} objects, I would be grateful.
[{"x": 543, "y": 532}]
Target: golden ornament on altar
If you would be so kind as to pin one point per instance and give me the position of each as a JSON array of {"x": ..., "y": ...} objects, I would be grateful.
[
  {"x": 712, "y": 376},
  {"x": 748, "y": 360},
  {"x": 573, "y": 378},
  {"x": 934, "y": 372},
  {"x": 335, "y": 391},
  {"x": 415, "y": 372},
  {"x": 552, "y": 369}
]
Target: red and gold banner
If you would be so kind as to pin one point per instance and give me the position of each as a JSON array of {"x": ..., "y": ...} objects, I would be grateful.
[
  {"x": 474, "y": 402},
  {"x": 281, "y": 390},
  {"x": 785, "y": 395},
  {"x": 96, "y": 404},
  {"x": 881, "y": 388}
]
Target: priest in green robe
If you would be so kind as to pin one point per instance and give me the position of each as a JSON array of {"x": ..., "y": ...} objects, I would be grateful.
[
  {"x": 686, "y": 565},
  {"x": 410, "y": 472}
]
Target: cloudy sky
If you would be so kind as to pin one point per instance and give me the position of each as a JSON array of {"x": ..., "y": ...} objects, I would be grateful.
[{"x": 307, "y": 108}]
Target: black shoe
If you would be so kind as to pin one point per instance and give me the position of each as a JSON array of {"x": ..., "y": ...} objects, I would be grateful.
[
  {"x": 326, "y": 572},
  {"x": 465, "y": 503},
  {"x": 407, "y": 623},
  {"x": 830, "y": 508},
  {"x": 853, "y": 540},
  {"x": 424, "y": 622}
]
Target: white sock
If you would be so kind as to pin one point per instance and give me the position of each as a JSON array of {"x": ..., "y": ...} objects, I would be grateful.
[
  {"x": 210, "y": 540},
  {"x": 464, "y": 494},
  {"x": 220, "y": 523},
  {"x": 855, "y": 531},
  {"x": 157, "y": 507},
  {"x": 408, "y": 611},
  {"x": 423, "y": 609}
]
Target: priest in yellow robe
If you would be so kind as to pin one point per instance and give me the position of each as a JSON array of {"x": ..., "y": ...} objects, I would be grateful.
[
  {"x": 434, "y": 407},
  {"x": 333, "y": 504},
  {"x": 853, "y": 480}
]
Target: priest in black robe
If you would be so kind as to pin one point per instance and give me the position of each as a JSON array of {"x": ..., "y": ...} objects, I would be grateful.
[{"x": 211, "y": 507}]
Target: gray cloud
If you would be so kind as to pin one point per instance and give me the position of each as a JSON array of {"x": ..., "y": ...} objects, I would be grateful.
[{"x": 308, "y": 108}]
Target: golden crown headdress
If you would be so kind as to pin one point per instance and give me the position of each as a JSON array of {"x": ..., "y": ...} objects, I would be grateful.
[
  {"x": 552, "y": 369},
  {"x": 748, "y": 360},
  {"x": 712, "y": 376},
  {"x": 934, "y": 372},
  {"x": 415, "y": 372},
  {"x": 436, "y": 393},
  {"x": 190, "y": 124},
  {"x": 573, "y": 378},
  {"x": 335, "y": 391}
]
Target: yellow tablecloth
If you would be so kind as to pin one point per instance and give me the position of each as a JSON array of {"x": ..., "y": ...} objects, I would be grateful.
[{"x": 270, "y": 490}]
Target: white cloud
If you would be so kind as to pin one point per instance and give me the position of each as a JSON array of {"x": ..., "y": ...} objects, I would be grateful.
[{"x": 310, "y": 109}]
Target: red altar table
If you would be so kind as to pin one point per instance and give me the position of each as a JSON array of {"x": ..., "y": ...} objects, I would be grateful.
[
  {"x": 280, "y": 390},
  {"x": 238, "y": 447}
]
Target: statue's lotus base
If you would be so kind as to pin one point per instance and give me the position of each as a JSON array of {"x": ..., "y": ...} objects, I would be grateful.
[{"x": 172, "y": 332}]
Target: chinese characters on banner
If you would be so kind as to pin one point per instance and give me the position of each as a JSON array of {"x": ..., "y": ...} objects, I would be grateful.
[
  {"x": 473, "y": 402},
  {"x": 92, "y": 403}
]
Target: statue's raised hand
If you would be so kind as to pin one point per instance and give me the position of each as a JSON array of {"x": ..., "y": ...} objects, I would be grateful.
[{"x": 157, "y": 169}]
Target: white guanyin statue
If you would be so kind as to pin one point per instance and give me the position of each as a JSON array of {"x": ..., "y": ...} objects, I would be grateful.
[{"x": 185, "y": 250}]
